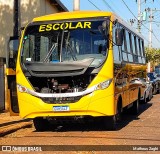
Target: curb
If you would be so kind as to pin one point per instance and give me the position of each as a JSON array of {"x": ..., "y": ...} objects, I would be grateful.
[{"x": 14, "y": 127}]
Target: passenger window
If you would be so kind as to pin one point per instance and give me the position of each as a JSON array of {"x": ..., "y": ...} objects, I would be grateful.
[
  {"x": 128, "y": 42},
  {"x": 139, "y": 59},
  {"x": 143, "y": 60},
  {"x": 133, "y": 44},
  {"x": 130, "y": 57},
  {"x": 135, "y": 57},
  {"x": 142, "y": 48},
  {"x": 124, "y": 47},
  {"x": 116, "y": 49},
  {"x": 137, "y": 46},
  {"x": 129, "y": 47},
  {"x": 124, "y": 56}
]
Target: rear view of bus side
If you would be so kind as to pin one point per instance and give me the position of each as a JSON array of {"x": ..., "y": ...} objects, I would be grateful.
[{"x": 79, "y": 65}]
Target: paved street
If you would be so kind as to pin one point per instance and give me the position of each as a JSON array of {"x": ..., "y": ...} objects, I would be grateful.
[{"x": 141, "y": 130}]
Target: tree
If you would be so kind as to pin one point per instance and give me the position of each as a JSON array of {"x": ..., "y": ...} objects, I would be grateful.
[{"x": 153, "y": 55}]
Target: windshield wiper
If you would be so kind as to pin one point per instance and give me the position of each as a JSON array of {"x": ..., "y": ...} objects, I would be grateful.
[
  {"x": 71, "y": 49},
  {"x": 46, "y": 59}
]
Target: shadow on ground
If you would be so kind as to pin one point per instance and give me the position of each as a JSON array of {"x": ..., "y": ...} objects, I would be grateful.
[{"x": 95, "y": 125}]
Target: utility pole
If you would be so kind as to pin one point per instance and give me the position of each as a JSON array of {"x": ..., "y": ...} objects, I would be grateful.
[
  {"x": 15, "y": 18},
  {"x": 139, "y": 16},
  {"x": 150, "y": 28},
  {"x": 76, "y": 5},
  {"x": 139, "y": 22}
]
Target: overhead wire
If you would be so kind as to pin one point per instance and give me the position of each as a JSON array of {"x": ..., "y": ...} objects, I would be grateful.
[
  {"x": 108, "y": 5},
  {"x": 129, "y": 11},
  {"x": 94, "y": 5},
  {"x": 142, "y": 23}
]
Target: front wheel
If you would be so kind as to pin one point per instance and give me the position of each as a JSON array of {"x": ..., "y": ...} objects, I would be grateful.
[
  {"x": 40, "y": 124},
  {"x": 109, "y": 122}
]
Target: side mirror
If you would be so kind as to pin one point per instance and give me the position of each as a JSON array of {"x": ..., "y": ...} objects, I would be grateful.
[
  {"x": 119, "y": 36},
  {"x": 12, "y": 52},
  {"x": 13, "y": 48}
]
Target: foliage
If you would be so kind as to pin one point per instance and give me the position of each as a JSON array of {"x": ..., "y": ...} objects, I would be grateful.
[{"x": 153, "y": 55}]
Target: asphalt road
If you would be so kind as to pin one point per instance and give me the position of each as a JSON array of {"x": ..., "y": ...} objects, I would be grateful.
[{"x": 143, "y": 129}]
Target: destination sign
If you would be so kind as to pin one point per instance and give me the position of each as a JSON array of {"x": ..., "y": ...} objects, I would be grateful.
[{"x": 61, "y": 26}]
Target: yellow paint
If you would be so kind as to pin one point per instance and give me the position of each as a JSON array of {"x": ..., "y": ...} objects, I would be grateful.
[
  {"x": 49, "y": 27},
  {"x": 42, "y": 28},
  {"x": 56, "y": 26},
  {"x": 87, "y": 24},
  {"x": 66, "y": 25},
  {"x": 9, "y": 103},
  {"x": 72, "y": 15},
  {"x": 10, "y": 71}
]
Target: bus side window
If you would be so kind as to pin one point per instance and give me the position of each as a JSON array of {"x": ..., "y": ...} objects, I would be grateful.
[
  {"x": 124, "y": 47},
  {"x": 140, "y": 51},
  {"x": 134, "y": 45},
  {"x": 129, "y": 48},
  {"x": 143, "y": 54},
  {"x": 116, "y": 49}
]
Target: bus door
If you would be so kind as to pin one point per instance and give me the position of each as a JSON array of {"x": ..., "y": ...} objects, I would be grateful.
[{"x": 11, "y": 58}]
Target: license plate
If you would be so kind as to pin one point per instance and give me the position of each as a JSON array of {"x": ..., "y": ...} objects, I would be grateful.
[{"x": 60, "y": 108}]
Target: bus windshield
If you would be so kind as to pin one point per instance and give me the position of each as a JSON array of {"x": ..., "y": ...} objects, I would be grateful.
[{"x": 65, "y": 41}]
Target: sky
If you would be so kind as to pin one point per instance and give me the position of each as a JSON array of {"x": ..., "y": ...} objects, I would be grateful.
[{"x": 127, "y": 12}]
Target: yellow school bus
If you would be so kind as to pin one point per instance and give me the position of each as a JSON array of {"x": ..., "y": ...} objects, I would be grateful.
[{"x": 81, "y": 64}]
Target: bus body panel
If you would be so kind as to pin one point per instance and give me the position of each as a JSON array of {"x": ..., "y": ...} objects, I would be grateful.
[
  {"x": 35, "y": 107},
  {"x": 100, "y": 103}
]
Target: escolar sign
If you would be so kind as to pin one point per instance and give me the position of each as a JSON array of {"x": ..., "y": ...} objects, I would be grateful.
[{"x": 69, "y": 25}]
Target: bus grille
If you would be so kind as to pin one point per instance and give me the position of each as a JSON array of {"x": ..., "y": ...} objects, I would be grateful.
[{"x": 64, "y": 100}]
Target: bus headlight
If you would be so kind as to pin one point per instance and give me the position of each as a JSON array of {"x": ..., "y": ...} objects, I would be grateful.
[{"x": 104, "y": 85}]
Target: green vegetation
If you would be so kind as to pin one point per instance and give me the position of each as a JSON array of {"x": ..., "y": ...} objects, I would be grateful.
[{"x": 153, "y": 56}]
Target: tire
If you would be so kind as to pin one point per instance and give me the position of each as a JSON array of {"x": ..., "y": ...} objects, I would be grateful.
[
  {"x": 135, "y": 108},
  {"x": 40, "y": 124},
  {"x": 109, "y": 122},
  {"x": 118, "y": 115}
]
